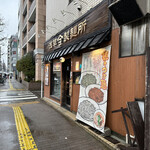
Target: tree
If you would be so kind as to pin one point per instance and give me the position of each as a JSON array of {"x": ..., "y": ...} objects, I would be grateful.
[
  {"x": 18, "y": 65},
  {"x": 27, "y": 65}
]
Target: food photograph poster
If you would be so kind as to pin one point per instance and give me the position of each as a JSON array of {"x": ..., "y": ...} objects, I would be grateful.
[{"x": 92, "y": 104}]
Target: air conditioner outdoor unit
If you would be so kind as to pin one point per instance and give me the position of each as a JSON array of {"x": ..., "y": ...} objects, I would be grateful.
[{"x": 125, "y": 11}]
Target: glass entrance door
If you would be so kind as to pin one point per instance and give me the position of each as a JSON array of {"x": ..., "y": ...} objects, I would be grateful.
[{"x": 66, "y": 70}]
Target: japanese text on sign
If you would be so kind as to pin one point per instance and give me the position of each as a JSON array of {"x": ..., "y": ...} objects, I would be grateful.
[
  {"x": 104, "y": 70},
  {"x": 68, "y": 35}
]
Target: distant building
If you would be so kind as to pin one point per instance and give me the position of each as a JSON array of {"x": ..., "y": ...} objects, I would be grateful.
[
  {"x": 12, "y": 54},
  {"x": 0, "y": 60},
  {"x": 31, "y": 16}
]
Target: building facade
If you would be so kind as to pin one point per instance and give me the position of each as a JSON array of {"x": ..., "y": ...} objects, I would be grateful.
[
  {"x": 0, "y": 60},
  {"x": 86, "y": 51},
  {"x": 12, "y": 55},
  {"x": 31, "y": 16}
]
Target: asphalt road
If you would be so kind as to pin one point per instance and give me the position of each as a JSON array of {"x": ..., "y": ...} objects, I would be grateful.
[{"x": 28, "y": 123}]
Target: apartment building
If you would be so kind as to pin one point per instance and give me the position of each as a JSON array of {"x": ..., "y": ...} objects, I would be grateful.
[
  {"x": 12, "y": 55},
  {"x": 31, "y": 16},
  {"x": 0, "y": 60}
]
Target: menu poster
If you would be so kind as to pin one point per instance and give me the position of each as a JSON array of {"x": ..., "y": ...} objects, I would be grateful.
[
  {"x": 77, "y": 66},
  {"x": 46, "y": 74},
  {"x": 56, "y": 66},
  {"x": 92, "y": 104}
]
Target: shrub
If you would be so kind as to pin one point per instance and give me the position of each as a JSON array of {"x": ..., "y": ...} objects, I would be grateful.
[{"x": 27, "y": 65}]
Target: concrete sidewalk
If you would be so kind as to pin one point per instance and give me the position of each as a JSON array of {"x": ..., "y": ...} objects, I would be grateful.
[
  {"x": 107, "y": 141},
  {"x": 72, "y": 116}
]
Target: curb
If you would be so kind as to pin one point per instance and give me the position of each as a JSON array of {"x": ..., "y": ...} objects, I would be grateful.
[{"x": 72, "y": 116}]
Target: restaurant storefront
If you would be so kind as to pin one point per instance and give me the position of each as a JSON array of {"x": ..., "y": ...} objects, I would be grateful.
[
  {"x": 83, "y": 61},
  {"x": 84, "y": 35}
]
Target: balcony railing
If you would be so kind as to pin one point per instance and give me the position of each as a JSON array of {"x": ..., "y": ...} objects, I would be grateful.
[
  {"x": 24, "y": 24},
  {"x": 24, "y": 6},
  {"x": 32, "y": 7},
  {"x": 25, "y": 21},
  {"x": 24, "y": 41},
  {"x": 31, "y": 32}
]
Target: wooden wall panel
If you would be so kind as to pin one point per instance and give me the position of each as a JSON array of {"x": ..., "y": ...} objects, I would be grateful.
[
  {"x": 76, "y": 87},
  {"x": 75, "y": 97},
  {"x": 127, "y": 82}
]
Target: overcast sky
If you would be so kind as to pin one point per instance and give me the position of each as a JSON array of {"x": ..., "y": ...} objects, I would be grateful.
[{"x": 9, "y": 11}]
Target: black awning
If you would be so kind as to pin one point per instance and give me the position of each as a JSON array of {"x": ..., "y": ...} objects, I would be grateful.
[
  {"x": 79, "y": 46},
  {"x": 58, "y": 54},
  {"x": 73, "y": 48},
  {"x": 89, "y": 42},
  {"x": 67, "y": 50},
  {"x": 96, "y": 39},
  {"x": 55, "y": 54},
  {"x": 46, "y": 57},
  {"x": 49, "y": 57},
  {"x": 62, "y": 52},
  {"x": 86, "y": 43}
]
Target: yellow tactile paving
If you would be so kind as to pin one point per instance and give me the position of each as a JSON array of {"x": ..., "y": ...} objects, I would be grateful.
[
  {"x": 25, "y": 137},
  {"x": 19, "y": 104},
  {"x": 11, "y": 88}
]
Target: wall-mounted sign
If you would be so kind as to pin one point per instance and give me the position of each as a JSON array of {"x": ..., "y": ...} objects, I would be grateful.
[
  {"x": 56, "y": 66},
  {"x": 68, "y": 35},
  {"x": 70, "y": 87},
  {"x": 91, "y": 23},
  {"x": 77, "y": 66},
  {"x": 47, "y": 74},
  {"x": 94, "y": 87}
]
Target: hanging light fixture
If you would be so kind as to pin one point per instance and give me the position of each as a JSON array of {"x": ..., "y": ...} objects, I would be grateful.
[{"x": 62, "y": 59}]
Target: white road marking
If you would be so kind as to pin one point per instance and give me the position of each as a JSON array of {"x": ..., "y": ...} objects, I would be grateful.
[
  {"x": 14, "y": 99},
  {"x": 17, "y": 96},
  {"x": 20, "y": 95}
]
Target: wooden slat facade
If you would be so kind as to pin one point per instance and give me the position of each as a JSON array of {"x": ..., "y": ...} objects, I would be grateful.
[{"x": 126, "y": 82}]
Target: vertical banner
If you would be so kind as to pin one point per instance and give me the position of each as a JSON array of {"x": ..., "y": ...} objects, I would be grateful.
[
  {"x": 92, "y": 104},
  {"x": 46, "y": 74}
]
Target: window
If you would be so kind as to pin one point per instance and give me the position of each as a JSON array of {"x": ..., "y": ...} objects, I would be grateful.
[
  {"x": 70, "y": 1},
  {"x": 133, "y": 39},
  {"x": 56, "y": 79}
]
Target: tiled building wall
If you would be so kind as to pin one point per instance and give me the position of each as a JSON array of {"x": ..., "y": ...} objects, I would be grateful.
[{"x": 60, "y": 14}]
